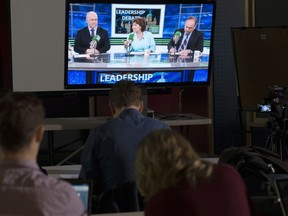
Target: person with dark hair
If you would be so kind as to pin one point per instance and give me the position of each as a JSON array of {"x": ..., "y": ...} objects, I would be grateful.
[
  {"x": 175, "y": 181},
  {"x": 188, "y": 39},
  {"x": 84, "y": 40},
  {"x": 110, "y": 149},
  {"x": 140, "y": 39},
  {"x": 24, "y": 188}
]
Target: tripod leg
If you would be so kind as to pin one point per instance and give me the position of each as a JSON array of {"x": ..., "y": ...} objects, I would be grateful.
[{"x": 268, "y": 143}]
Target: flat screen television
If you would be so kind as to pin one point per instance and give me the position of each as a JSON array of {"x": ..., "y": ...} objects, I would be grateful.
[
  {"x": 157, "y": 69},
  {"x": 41, "y": 31}
]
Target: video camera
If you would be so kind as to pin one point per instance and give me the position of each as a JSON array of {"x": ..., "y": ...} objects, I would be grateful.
[{"x": 275, "y": 103}]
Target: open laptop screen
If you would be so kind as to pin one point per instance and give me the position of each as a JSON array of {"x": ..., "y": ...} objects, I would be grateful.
[{"x": 83, "y": 189}]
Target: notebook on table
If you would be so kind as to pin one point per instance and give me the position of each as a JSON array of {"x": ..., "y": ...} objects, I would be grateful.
[{"x": 83, "y": 189}]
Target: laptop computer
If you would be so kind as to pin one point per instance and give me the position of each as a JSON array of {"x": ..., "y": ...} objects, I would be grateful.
[{"x": 83, "y": 189}]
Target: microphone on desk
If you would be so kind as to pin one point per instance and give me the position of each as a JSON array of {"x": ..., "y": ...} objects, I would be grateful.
[
  {"x": 131, "y": 37},
  {"x": 94, "y": 41},
  {"x": 93, "y": 44},
  {"x": 176, "y": 37},
  {"x": 128, "y": 42}
]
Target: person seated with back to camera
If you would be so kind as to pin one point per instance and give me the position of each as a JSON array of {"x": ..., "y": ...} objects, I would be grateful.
[
  {"x": 140, "y": 39},
  {"x": 175, "y": 181},
  {"x": 195, "y": 39},
  {"x": 110, "y": 149},
  {"x": 24, "y": 188},
  {"x": 84, "y": 37}
]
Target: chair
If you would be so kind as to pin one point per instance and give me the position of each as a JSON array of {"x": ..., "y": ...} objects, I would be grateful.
[{"x": 123, "y": 198}]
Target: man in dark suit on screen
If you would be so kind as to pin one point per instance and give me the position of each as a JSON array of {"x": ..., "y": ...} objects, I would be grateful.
[
  {"x": 92, "y": 39},
  {"x": 188, "y": 39}
]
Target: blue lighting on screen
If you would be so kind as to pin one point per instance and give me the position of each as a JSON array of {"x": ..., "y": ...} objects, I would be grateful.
[{"x": 76, "y": 77}]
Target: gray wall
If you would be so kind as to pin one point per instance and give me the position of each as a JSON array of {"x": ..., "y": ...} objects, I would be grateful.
[
  {"x": 229, "y": 13},
  {"x": 37, "y": 52},
  {"x": 271, "y": 13}
]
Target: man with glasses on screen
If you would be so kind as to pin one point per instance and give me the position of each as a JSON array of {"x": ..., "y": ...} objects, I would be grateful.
[
  {"x": 92, "y": 39},
  {"x": 186, "y": 40}
]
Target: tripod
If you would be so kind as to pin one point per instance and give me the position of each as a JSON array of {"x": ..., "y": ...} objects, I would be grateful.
[{"x": 276, "y": 141}]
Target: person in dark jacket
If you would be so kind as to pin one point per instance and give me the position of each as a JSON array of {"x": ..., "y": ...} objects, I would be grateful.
[
  {"x": 110, "y": 150},
  {"x": 84, "y": 43},
  {"x": 188, "y": 39}
]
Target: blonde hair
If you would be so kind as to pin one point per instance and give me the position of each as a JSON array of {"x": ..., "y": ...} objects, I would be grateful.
[{"x": 165, "y": 158}]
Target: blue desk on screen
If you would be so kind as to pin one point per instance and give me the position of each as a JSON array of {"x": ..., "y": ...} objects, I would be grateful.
[
  {"x": 137, "y": 61},
  {"x": 163, "y": 68}
]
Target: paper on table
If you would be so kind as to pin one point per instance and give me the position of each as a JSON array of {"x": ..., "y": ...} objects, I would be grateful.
[
  {"x": 81, "y": 56},
  {"x": 176, "y": 53},
  {"x": 142, "y": 53}
]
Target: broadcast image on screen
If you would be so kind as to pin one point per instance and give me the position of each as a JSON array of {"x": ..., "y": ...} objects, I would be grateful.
[{"x": 151, "y": 44}]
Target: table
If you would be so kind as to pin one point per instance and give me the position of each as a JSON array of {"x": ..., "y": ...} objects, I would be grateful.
[
  {"x": 122, "y": 214},
  {"x": 137, "y": 61},
  {"x": 72, "y": 171},
  {"x": 80, "y": 123}
]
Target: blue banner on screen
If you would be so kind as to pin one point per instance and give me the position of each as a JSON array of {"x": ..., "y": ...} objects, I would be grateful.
[{"x": 80, "y": 77}]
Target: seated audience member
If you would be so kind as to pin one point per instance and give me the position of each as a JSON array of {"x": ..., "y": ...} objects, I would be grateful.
[
  {"x": 110, "y": 150},
  {"x": 190, "y": 40},
  {"x": 83, "y": 40},
  {"x": 141, "y": 39},
  {"x": 24, "y": 188},
  {"x": 174, "y": 181}
]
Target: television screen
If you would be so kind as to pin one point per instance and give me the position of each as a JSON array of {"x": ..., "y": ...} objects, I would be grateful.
[
  {"x": 143, "y": 42},
  {"x": 42, "y": 32}
]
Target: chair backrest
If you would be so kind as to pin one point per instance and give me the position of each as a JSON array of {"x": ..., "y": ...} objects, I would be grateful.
[{"x": 123, "y": 198}]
